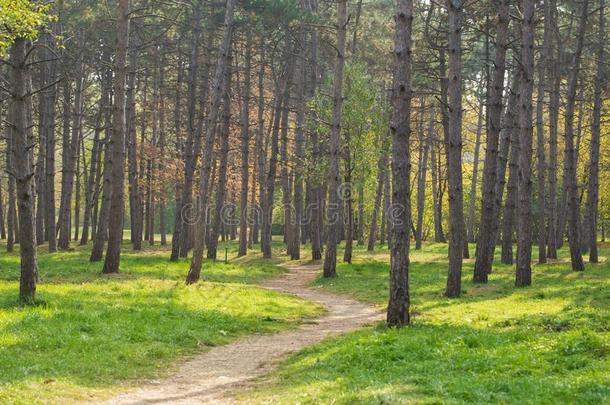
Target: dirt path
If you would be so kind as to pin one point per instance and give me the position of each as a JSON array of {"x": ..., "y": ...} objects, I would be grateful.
[{"x": 210, "y": 377}]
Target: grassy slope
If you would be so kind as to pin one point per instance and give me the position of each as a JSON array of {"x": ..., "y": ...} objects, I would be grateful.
[
  {"x": 549, "y": 343},
  {"x": 92, "y": 334}
]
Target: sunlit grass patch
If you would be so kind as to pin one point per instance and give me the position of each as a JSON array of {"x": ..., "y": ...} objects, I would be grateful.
[
  {"x": 91, "y": 334},
  {"x": 549, "y": 343}
]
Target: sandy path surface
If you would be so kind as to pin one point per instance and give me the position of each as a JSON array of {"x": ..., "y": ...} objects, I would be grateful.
[{"x": 210, "y": 377}]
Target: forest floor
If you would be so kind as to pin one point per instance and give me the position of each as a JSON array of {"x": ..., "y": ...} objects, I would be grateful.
[
  {"x": 547, "y": 343},
  {"x": 209, "y": 377},
  {"x": 144, "y": 336},
  {"x": 91, "y": 336}
]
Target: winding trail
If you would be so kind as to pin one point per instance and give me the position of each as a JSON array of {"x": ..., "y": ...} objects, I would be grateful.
[{"x": 210, "y": 377}]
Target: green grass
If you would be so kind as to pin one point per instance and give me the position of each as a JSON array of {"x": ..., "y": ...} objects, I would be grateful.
[
  {"x": 90, "y": 335},
  {"x": 549, "y": 343}
]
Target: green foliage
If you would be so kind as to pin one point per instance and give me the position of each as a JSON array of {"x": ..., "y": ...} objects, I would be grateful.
[
  {"x": 91, "y": 335},
  {"x": 20, "y": 19},
  {"x": 497, "y": 344}
]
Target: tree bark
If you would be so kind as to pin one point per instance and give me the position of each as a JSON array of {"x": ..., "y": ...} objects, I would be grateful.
[
  {"x": 541, "y": 159},
  {"x": 439, "y": 235},
  {"x": 11, "y": 221},
  {"x": 218, "y": 89},
  {"x": 101, "y": 232},
  {"x": 161, "y": 147},
  {"x": 245, "y": 151},
  {"x": 268, "y": 197},
  {"x": 555, "y": 83},
  {"x": 510, "y": 206},
  {"x": 259, "y": 143},
  {"x": 593, "y": 188},
  {"x": 486, "y": 241},
  {"x": 93, "y": 168},
  {"x": 71, "y": 155},
  {"x": 570, "y": 156},
  {"x": 382, "y": 166},
  {"x": 330, "y": 258},
  {"x": 424, "y": 146},
  {"x": 523, "y": 275},
  {"x": 470, "y": 233},
  {"x": 221, "y": 189},
  {"x": 135, "y": 193},
  {"x": 77, "y": 185},
  {"x": 398, "y": 305},
  {"x": 117, "y": 142},
  {"x": 454, "y": 151},
  {"x": 22, "y": 166},
  {"x": 190, "y": 148}
]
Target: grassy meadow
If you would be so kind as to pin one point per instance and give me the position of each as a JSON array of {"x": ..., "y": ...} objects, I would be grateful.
[
  {"x": 549, "y": 343},
  {"x": 90, "y": 335}
]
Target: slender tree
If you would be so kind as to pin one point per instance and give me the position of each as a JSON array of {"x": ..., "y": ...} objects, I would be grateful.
[
  {"x": 330, "y": 258},
  {"x": 218, "y": 87},
  {"x": 22, "y": 165},
  {"x": 593, "y": 188},
  {"x": 245, "y": 150},
  {"x": 117, "y": 142},
  {"x": 524, "y": 221},
  {"x": 454, "y": 150},
  {"x": 398, "y": 306},
  {"x": 570, "y": 154}
]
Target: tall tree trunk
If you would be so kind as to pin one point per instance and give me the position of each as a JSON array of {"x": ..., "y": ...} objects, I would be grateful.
[
  {"x": 94, "y": 162},
  {"x": 439, "y": 236},
  {"x": 330, "y": 258},
  {"x": 470, "y": 234},
  {"x": 510, "y": 206},
  {"x": 245, "y": 152},
  {"x": 71, "y": 153},
  {"x": 101, "y": 220},
  {"x": 259, "y": 143},
  {"x": 22, "y": 166},
  {"x": 398, "y": 305},
  {"x": 285, "y": 177},
  {"x": 39, "y": 173},
  {"x": 135, "y": 193},
  {"x": 11, "y": 220},
  {"x": 161, "y": 146},
  {"x": 454, "y": 151},
  {"x": 570, "y": 157},
  {"x": 190, "y": 150},
  {"x": 77, "y": 184},
  {"x": 555, "y": 84},
  {"x": 50, "y": 99},
  {"x": 523, "y": 275},
  {"x": 317, "y": 209},
  {"x": 117, "y": 141},
  {"x": 382, "y": 166},
  {"x": 281, "y": 94},
  {"x": 486, "y": 241},
  {"x": 593, "y": 188},
  {"x": 541, "y": 159},
  {"x": 295, "y": 248},
  {"x": 221, "y": 190},
  {"x": 424, "y": 146},
  {"x": 178, "y": 139},
  {"x": 218, "y": 88}
]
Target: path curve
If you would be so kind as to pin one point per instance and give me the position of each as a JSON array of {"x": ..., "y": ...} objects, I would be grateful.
[{"x": 210, "y": 377}]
